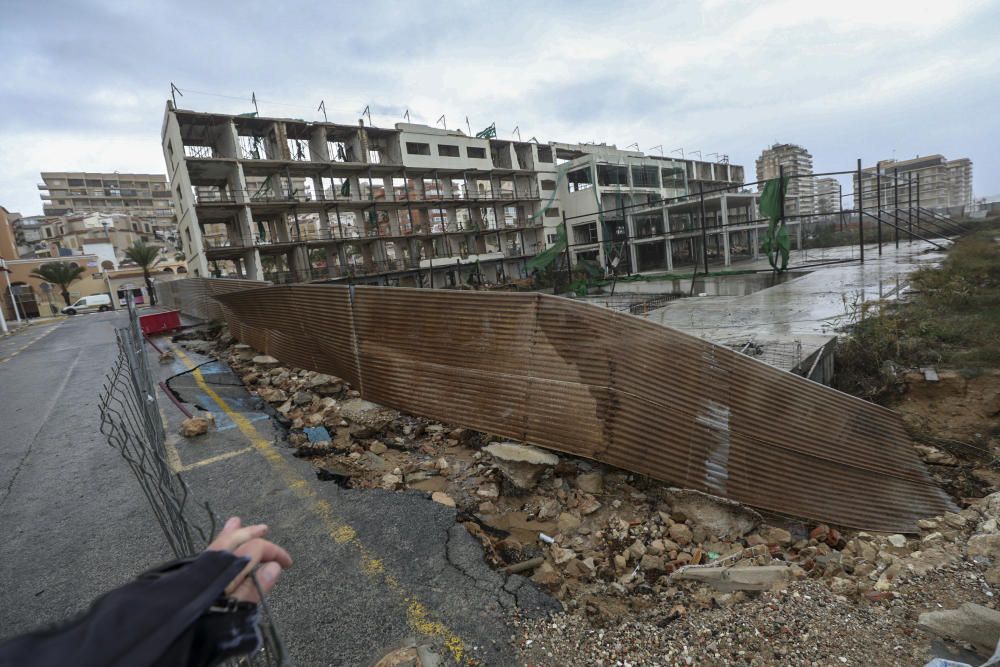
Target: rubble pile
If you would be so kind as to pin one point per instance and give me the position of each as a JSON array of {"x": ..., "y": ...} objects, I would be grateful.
[{"x": 612, "y": 545}]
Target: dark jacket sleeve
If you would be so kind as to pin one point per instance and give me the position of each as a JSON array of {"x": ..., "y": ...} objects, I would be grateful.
[{"x": 176, "y": 614}]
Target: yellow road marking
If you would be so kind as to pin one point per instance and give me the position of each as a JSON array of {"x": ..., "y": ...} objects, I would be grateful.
[
  {"x": 417, "y": 615},
  {"x": 29, "y": 344}
]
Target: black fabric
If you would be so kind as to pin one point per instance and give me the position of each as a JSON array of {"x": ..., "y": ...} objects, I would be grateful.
[{"x": 161, "y": 619}]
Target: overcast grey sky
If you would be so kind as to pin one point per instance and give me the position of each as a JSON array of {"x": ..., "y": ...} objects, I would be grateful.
[{"x": 83, "y": 84}]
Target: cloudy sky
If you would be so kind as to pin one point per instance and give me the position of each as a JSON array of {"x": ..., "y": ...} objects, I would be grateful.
[{"x": 83, "y": 83}]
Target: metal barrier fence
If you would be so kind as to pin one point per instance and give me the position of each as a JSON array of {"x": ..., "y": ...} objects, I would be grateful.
[
  {"x": 131, "y": 421},
  {"x": 607, "y": 386}
]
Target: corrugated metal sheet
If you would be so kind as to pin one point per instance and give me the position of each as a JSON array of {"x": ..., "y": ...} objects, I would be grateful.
[
  {"x": 195, "y": 296},
  {"x": 608, "y": 386}
]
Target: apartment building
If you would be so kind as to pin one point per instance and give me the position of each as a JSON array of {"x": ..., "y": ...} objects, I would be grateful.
[
  {"x": 828, "y": 191},
  {"x": 797, "y": 162},
  {"x": 933, "y": 180},
  {"x": 106, "y": 235},
  {"x": 140, "y": 195}
]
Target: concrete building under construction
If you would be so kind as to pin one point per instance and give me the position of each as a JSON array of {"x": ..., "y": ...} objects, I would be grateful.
[{"x": 289, "y": 200}]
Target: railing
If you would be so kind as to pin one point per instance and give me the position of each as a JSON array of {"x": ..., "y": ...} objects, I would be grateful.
[{"x": 250, "y": 196}]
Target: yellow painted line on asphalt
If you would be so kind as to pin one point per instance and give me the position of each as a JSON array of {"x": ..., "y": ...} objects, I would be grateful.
[
  {"x": 28, "y": 344},
  {"x": 341, "y": 532}
]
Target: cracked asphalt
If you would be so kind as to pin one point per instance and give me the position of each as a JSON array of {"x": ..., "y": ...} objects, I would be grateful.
[{"x": 372, "y": 568}]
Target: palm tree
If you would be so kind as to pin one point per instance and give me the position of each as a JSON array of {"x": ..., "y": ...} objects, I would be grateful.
[
  {"x": 146, "y": 256},
  {"x": 59, "y": 273}
]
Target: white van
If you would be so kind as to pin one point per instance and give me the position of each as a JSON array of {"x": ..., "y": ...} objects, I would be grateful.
[{"x": 99, "y": 302}]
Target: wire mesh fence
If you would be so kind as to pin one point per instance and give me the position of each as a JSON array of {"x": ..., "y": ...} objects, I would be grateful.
[{"x": 131, "y": 422}]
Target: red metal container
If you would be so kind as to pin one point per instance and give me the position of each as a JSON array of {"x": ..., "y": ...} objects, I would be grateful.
[{"x": 155, "y": 323}]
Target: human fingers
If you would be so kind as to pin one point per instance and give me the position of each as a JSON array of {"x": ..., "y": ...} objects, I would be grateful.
[
  {"x": 234, "y": 536},
  {"x": 266, "y": 575},
  {"x": 263, "y": 551}
]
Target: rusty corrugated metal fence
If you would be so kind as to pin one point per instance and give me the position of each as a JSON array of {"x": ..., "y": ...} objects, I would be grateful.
[
  {"x": 196, "y": 296},
  {"x": 608, "y": 386}
]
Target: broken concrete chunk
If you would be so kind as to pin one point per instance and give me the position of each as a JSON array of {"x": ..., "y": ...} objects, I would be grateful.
[
  {"x": 568, "y": 523},
  {"x": 521, "y": 464},
  {"x": 272, "y": 395},
  {"x": 724, "y": 518},
  {"x": 443, "y": 498},
  {"x": 898, "y": 541},
  {"x": 590, "y": 482},
  {"x": 301, "y": 398},
  {"x": 984, "y": 545},
  {"x": 244, "y": 352},
  {"x": 489, "y": 490},
  {"x": 972, "y": 623},
  {"x": 367, "y": 414},
  {"x": 680, "y": 534},
  {"x": 194, "y": 426},
  {"x": 266, "y": 361},
  {"x": 739, "y": 578},
  {"x": 561, "y": 555}
]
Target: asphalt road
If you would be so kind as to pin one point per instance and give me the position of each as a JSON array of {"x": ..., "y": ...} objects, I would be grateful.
[
  {"x": 72, "y": 520},
  {"x": 372, "y": 568}
]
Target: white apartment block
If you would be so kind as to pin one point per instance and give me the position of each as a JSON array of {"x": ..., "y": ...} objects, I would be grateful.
[
  {"x": 139, "y": 195},
  {"x": 289, "y": 200},
  {"x": 930, "y": 182},
  {"x": 797, "y": 162},
  {"x": 828, "y": 191}
]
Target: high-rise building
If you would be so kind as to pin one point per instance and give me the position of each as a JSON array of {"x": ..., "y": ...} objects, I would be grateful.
[
  {"x": 828, "y": 191},
  {"x": 797, "y": 162},
  {"x": 139, "y": 195},
  {"x": 933, "y": 181}
]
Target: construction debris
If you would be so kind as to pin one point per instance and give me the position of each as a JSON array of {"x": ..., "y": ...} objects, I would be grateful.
[
  {"x": 521, "y": 464},
  {"x": 195, "y": 426},
  {"x": 971, "y": 623},
  {"x": 613, "y": 545}
]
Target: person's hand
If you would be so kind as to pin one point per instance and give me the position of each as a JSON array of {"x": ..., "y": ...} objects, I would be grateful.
[{"x": 249, "y": 542}]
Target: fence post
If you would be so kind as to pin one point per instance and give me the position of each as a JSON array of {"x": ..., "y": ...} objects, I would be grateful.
[
  {"x": 909, "y": 206},
  {"x": 861, "y": 214},
  {"x": 918, "y": 202},
  {"x": 878, "y": 188},
  {"x": 895, "y": 205},
  {"x": 704, "y": 234},
  {"x": 569, "y": 274}
]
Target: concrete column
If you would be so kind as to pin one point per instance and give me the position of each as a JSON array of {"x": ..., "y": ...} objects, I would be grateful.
[
  {"x": 252, "y": 265},
  {"x": 670, "y": 256},
  {"x": 298, "y": 262}
]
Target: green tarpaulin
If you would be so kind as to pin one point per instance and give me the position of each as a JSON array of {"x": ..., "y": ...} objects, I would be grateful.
[
  {"x": 549, "y": 255},
  {"x": 776, "y": 243}
]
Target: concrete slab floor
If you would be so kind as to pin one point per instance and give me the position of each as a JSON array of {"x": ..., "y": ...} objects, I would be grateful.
[{"x": 812, "y": 305}]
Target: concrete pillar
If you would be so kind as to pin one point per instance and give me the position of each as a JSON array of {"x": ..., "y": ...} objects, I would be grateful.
[
  {"x": 670, "y": 255},
  {"x": 298, "y": 262},
  {"x": 251, "y": 261}
]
